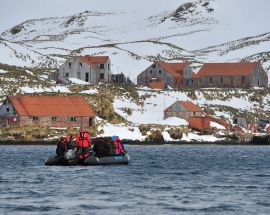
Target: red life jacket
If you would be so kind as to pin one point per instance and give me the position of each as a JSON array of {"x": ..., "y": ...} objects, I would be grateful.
[
  {"x": 118, "y": 147},
  {"x": 83, "y": 141},
  {"x": 67, "y": 138}
]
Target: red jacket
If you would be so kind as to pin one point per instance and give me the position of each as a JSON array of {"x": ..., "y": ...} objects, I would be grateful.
[
  {"x": 83, "y": 139},
  {"x": 118, "y": 146}
]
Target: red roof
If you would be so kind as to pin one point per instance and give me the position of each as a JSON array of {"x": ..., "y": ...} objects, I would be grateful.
[
  {"x": 156, "y": 84},
  {"x": 226, "y": 69},
  {"x": 51, "y": 106},
  {"x": 92, "y": 60},
  {"x": 189, "y": 106},
  {"x": 175, "y": 69}
]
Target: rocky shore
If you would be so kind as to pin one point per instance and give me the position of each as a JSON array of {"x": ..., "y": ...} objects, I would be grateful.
[{"x": 257, "y": 140}]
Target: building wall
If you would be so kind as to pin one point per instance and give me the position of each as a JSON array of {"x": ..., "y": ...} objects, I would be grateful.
[
  {"x": 105, "y": 72},
  {"x": 199, "y": 123},
  {"x": 8, "y": 115},
  {"x": 177, "y": 110},
  {"x": 119, "y": 79},
  {"x": 154, "y": 71},
  {"x": 7, "y": 109},
  {"x": 223, "y": 81},
  {"x": 182, "y": 115},
  {"x": 240, "y": 121},
  {"x": 76, "y": 68},
  {"x": 62, "y": 121},
  {"x": 259, "y": 77},
  {"x": 187, "y": 73}
]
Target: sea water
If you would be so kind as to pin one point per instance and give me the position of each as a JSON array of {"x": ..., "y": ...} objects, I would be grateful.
[{"x": 167, "y": 179}]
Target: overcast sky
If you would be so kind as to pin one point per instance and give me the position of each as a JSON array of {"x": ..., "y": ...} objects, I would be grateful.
[{"x": 13, "y": 12}]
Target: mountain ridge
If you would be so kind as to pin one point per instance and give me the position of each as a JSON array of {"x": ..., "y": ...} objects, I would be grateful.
[{"x": 48, "y": 42}]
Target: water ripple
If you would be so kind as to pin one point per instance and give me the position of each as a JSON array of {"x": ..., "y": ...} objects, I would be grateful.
[{"x": 159, "y": 180}]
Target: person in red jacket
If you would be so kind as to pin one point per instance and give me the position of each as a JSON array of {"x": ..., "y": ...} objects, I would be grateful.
[
  {"x": 83, "y": 144},
  {"x": 119, "y": 150}
]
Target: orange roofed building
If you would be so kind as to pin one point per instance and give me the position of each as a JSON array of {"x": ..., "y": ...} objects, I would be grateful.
[
  {"x": 54, "y": 111},
  {"x": 174, "y": 75},
  {"x": 91, "y": 69},
  {"x": 230, "y": 75},
  {"x": 203, "y": 123},
  {"x": 183, "y": 109}
]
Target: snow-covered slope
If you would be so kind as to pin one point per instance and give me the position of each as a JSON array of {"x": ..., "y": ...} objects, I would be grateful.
[{"x": 196, "y": 30}]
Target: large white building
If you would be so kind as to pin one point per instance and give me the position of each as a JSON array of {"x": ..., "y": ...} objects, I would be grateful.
[{"x": 90, "y": 69}]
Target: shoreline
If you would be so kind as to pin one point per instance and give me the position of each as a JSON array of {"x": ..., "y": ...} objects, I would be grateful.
[{"x": 136, "y": 142}]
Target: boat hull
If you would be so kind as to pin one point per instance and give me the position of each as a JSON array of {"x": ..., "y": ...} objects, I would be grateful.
[{"x": 89, "y": 161}]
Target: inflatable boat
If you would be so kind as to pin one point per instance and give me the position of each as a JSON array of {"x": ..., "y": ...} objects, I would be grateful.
[{"x": 92, "y": 160}]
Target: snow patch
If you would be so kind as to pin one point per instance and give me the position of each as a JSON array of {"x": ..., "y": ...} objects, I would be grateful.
[
  {"x": 78, "y": 81},
  {"x": 216, "y": 125},
  {"x": 3, "y": 71}
]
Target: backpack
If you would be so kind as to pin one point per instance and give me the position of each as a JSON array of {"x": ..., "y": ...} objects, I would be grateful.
[{"x": 104, "y": 147}]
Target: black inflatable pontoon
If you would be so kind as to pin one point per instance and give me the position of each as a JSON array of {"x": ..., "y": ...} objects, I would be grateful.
[{"x": 89, "y": 161}]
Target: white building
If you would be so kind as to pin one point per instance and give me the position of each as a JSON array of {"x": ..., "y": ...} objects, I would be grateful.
[{"x": 90, "y": 69}]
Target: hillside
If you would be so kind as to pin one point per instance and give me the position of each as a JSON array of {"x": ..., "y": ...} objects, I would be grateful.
[
  {"x": 135, "y": 113},
  {"x": 198, "y": 31}
]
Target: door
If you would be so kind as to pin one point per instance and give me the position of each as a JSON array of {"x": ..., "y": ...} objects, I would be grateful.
[
  {"x": 90, "y": 122},
  {"x": 86, "y": 77}
]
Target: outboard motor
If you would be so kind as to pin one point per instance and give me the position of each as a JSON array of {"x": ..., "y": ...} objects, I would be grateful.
[{"x": 70, "y": 157}]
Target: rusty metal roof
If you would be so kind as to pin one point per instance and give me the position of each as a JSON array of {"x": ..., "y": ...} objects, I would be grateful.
[
  {"x": 189, "y": 106},
  {"x": 226, "y": 69},
  {"x": 92, "y": 60},
  {"x": 175, "y": 69},
  {"x": 51, "y": 106}
]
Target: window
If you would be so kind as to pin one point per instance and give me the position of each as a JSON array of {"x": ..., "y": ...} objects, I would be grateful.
[
  {"x": 109, "y": 67},
  {"x": 192, "y": 82},
  {"x": 243, "y": 80},
  {"x": 86, "y": 77},
  {"x": 69, "y": 65},
  {"x": 90, "y": 121},
  {"x": 159, "y": 71},
  {"x": 80, "y": 64},
  {"x": 7, "y": 109},
  {"x": 35, "y": 119},
  {"x": 66, "y": 75},
  {"x": 150, "y": 71},
  {"x": 102, "y": 76},
  {"x": 186, "y": 82},
  {"x": 211, "y": 80},
  {"x": 154, "y": 66},
  {"x": 221, "y": 80},
  {"x": 54, "y": 119},
  {"x": 101, "y": 66},
  {"x": 72, "y": 119},
  {"x": 194, "y": 113}
]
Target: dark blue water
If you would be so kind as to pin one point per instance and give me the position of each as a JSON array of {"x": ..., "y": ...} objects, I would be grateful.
[{"x": 159, "y": 180}]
